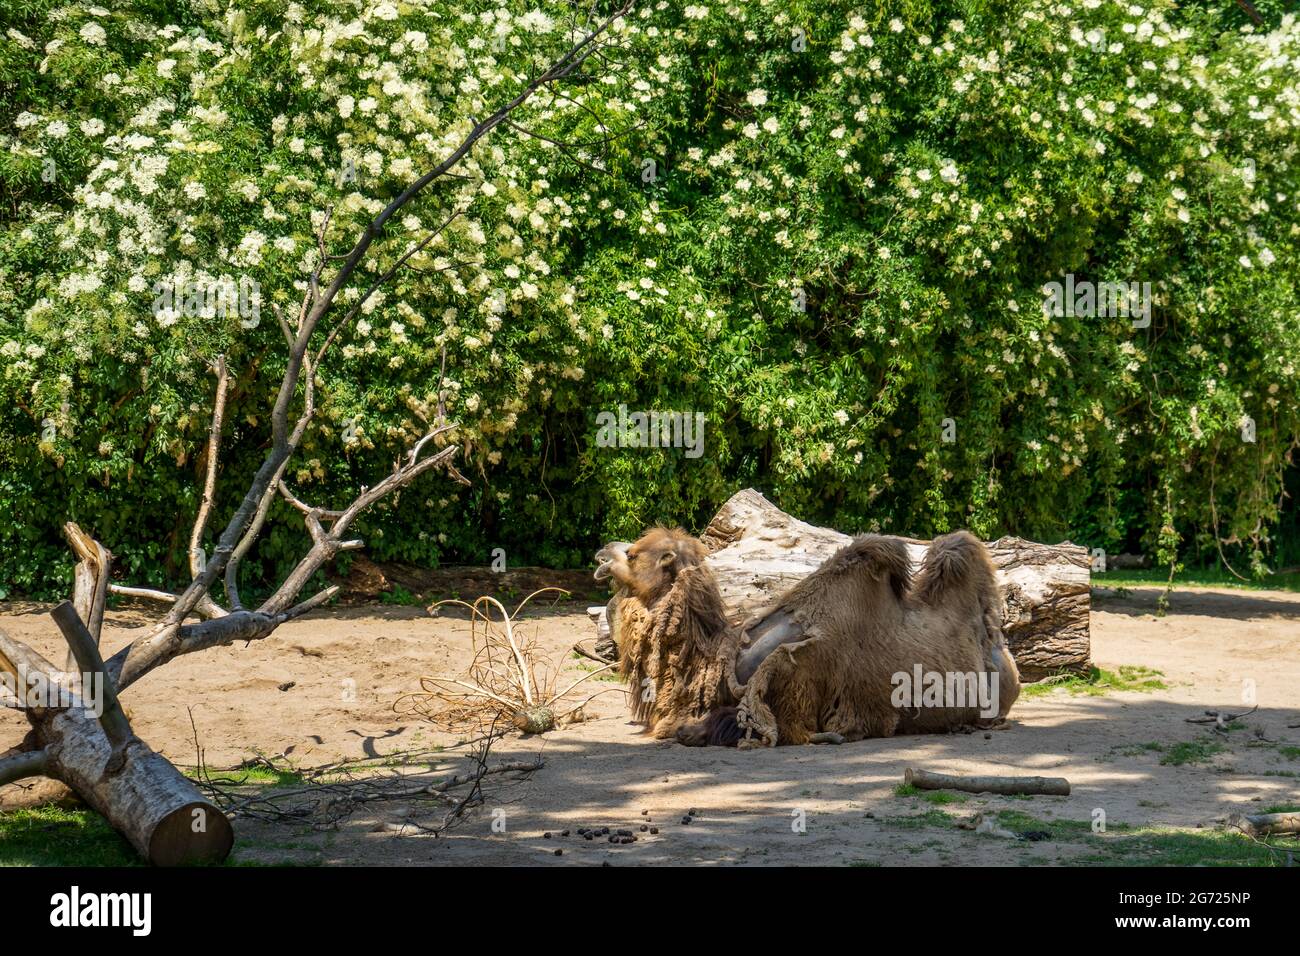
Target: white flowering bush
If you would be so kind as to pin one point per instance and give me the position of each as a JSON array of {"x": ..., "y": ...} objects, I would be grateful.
[{"x": 826, "y": 226}]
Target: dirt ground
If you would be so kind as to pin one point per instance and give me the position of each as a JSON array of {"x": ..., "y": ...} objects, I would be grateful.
[{"x": 292, "y": 695}]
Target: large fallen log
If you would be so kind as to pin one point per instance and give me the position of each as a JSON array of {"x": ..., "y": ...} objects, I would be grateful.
[
  {"x": 756, "y": 551},
  {"x": 1262, "y": 824}
]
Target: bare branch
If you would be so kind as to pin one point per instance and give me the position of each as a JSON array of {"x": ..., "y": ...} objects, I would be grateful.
[
  {"x": 31, "y": 763},
  {"x": 264, "y": 505},
  {"x": 325, "y": 545},
  {"x": 148, "y": 594},
  {"x": 197, "y": 556},
  {"x": 346, "y": 321},
  {"x": 84, "y": 647},
  {"x": 90, "y": 579},
  {"x": 19, "y": 660},
  {"x": 302, "y": 506}
]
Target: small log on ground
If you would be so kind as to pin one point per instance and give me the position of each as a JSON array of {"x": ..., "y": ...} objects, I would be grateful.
[
  {"x": 757, "y": 551},
  {"x": 1008, "y": 786}
]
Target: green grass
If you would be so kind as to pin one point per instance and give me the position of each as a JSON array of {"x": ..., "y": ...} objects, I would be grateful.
[
  {"x": 1215, "y": 577},
  {"x": 940, "y": 797},
  {"x": 1126, "y": 845},
  {"x": 587, "y": 664},
  {"x": 1099, "y": 681},
  {"x": 1191, "y": 752},
  {"x": 55, "y": 836},
  {"x": 1290, "y": 753},
  {"x": 1018, "y": 822},
  {"x": 937, "y": 797},
  {"x": 258, "y": 774},
  {"x": 52, "y": 836},
  {"x": 930, "y": 818},
  {"x": 1161, "y": 846}
]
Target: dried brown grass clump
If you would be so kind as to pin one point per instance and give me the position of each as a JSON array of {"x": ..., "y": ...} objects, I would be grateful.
[{"x": 507, "y": 680}]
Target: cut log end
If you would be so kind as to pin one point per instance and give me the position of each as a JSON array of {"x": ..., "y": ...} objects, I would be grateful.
[{"x": 195, "y": 833}]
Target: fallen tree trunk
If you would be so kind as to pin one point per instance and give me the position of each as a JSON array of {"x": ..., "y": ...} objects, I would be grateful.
[
  {"x": 1261, "y": 824},
  {"x": 1009, "y": 786},
  {"x": 146, "y": 799},
  {"x": 87, "y": 744},
  {"x": 757, "y": 551}
]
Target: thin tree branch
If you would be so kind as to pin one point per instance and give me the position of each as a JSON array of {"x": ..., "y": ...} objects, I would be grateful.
[
  {"x": 84, "y": 647},
  {"x": 197, "y": 555},
  {"x": 19, "y": 766}
]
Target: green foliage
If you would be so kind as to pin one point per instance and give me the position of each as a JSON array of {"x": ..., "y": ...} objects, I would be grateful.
[
  {"x": 1099, "y": 681},
  {"x": 844, "y": 245}
]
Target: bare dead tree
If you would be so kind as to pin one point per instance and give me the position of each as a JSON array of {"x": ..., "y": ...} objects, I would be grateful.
[{"x": 79, "y": 733}]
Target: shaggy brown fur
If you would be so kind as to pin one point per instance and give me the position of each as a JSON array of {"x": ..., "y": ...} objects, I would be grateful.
[
  {"x": 823, "y": 658},
  {"x": 676, "y": 646}
]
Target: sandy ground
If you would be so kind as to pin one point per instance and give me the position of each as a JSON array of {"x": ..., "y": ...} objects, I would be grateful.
[{"x": 324, "y": 688}]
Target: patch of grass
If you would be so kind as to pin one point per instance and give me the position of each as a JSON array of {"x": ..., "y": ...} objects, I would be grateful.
[
  {"x": 940, "y": 797},
  {"x": 930, "y": 818},
  {"x": 1215, "y": 577},
  {"x": 1099, "y": 681},
  {"x": 1019, "y": 822},
  {"x": 1126, "y": 845},
  {"x": 1282, "y": 808},
  {"x": 1162, "y": 846},
  {"x": 937, "y": 797},
  {"x": 53, "y": 836},
  {"x": 259, "y": 774},
  {"x": 1290, "y": 753},
  {"x": 587, "y": 664},
  {"x": 1191, "y": 752},
  {"x": 399, "y": 595}
]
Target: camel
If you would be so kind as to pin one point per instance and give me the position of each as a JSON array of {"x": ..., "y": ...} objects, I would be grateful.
[{"x": 859, "y": 648}]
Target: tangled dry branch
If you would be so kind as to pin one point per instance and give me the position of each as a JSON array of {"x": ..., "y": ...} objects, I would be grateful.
[
  {"x": 507, "y": 679},
  {"x": 433, "y": 787}
]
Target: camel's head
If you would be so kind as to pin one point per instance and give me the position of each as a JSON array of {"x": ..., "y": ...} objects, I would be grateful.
[
  {"x": 648, "y": 567},
  {"x": 675, "y": 644}
]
